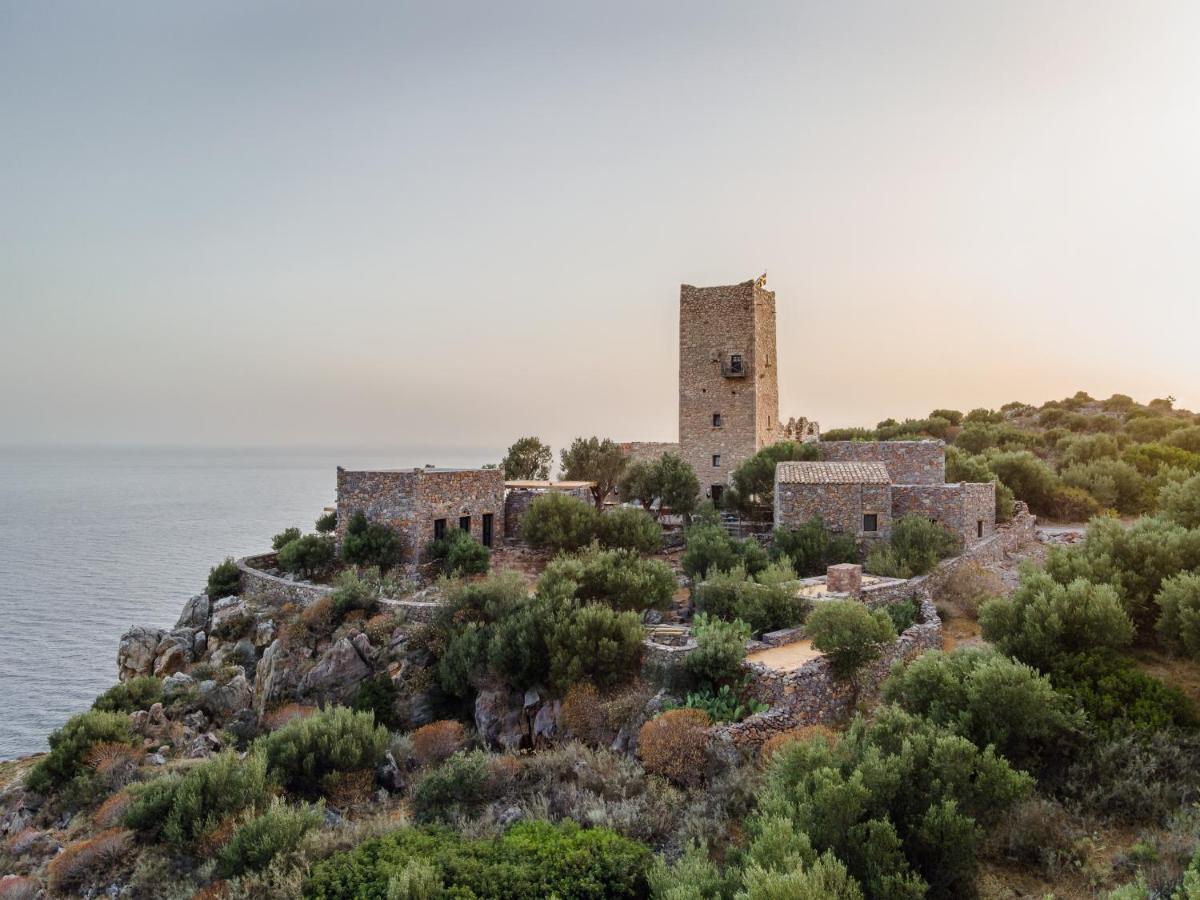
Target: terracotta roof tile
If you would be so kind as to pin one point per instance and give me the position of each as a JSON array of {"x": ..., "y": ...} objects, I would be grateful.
[{"x": 832, "y": 473}]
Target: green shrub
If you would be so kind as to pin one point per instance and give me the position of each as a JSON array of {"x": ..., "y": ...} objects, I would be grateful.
[
  {"x": 627, "y": 528},
  {"x": 327, "y": 522},
  {"x": 711, "y": 549},
  {"x": 962, "y": 466},
  {"x": 919, "y": 544},
  {"x": 129, "y": 696},
  {"x": 304, "y": 752},
  {"x": 723, "y": 705},
  {"x": 257, "y": 842},
  {"x": 460, "y": 554},
  {"x": 182, "y": 809},
  {"x": 812, "y": 547},
  {"x": 848, "y": 633},
  {"x": 1114, "y": 484},
  {"x": 720, "y": 649},
  {"x": 1185, "y": 439},
  {"x": 989, "y": 699},
  {"x": 69, "y": 746},
  {"x": 1044, "y": 619},
  {"x": 284, "y": 538},
  {"x": 558, "y": 522},
  {"x": 1028, "y": 477},
  {"x": 456, "y": 788},
  {"x": 1118, "y": 698},
  {"x": 903, "y": 613},
  {"x": 308, "y": 556},
  {"x": 597, "y": 645},
  {"x": 1146, "y": 429},
  {"x": 378, "y": 696},
  {"x": 752, "y": 485},
  {"x": 224, "y": 579},
  {"x": 1180, "y": 502},
  {"x": 619, "y": 578},
  {"x": 1179, "y": 613},
  {"x": 953, "y": 416},
  {"x": 1136, "y": 777},
  {"x": 531, "y": 859},
  {"x": 767, "y": 602},
  {"x": 1150, "y": 458},
  {"x": 350, "y": 592},
  {"x": 371, "y": 543},
  {"x": 1074, "y": 504},
  {"x": 1084, "y": 449}
]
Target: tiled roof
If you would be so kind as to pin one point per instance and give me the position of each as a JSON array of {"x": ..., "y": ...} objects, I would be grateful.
[{"x": 832, "y": 473}]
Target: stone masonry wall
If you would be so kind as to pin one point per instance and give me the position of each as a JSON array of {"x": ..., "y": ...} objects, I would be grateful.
[
  {"x": 908, "y": 462},
  {"x": 412, "y": 500},
  {"x": 714, "y": 324},
  {"x": 840, "y": 506},
  {"x": 648, "y": 451},
  {"x": 517, "y": 501},
  {"x": 959, "y": 507}
]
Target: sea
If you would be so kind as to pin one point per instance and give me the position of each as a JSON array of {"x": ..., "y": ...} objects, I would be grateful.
[{"x": 95, "y": 540}]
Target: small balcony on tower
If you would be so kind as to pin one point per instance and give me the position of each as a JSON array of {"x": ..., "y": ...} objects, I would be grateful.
[{"x": 734, "y": 366}]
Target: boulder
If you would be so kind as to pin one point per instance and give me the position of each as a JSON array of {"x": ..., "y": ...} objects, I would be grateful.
[
  {"x": 174, "y": 652},
  {"x": 264, "y": 633},
  {"x": 223, "y": 701},
  {"x": 545, "y": 723},
  {"x": 176, "y": 684},
  {"x": 199, "y": 645},
  {"x": 225, "y": 614},
  {"x": 337, "y": 673},
  {"x": 277, "y": 677},
  {"x": 136, "y": 652},
  {"x": 195, "y": 613},
  {"x": 500, "y": 719}
]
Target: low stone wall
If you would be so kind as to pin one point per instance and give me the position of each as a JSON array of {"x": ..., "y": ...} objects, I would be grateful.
[
  {"x": 265, "y": 588},
  {"x": 814, "y": 695}
]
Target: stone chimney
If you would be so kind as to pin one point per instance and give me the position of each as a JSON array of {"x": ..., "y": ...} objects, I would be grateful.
[{"x": 844, "y": 578}]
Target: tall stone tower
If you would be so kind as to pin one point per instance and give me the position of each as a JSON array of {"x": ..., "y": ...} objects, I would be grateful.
[{"x": 728, "y": 381}]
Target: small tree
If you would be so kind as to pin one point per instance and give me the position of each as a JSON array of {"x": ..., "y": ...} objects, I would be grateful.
[
  {"x": 307, "y": 555},
  {"x": 1179, "y": 619},
  {"x": 720, "y": 649},
  {"x": 629, "y": 529},
  {"x": 812, "y": 547},
  {"x": 557, "y": 521},
  {"x": 753, "y": 482},
  {"x": 327, "y": 522},
  {"x": 371, "y": 543},
  {"x": 595, "y": 645},
  {"x": 849, "y": 634},
  {"x": 224, "y": 579},
  {"x": 460, "y": 554},
  {"x": 284, "y": 538},
  {"x": 601, "y": 462},
  {"x": 1181, "y": 502},
  {"x": 528, "y": 459},
  {"x": 678, "y": 486},
  {"x": 639, "y": 483}
]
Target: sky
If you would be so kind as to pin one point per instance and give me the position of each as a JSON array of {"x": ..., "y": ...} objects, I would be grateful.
[{"x": 450, "y": 224}]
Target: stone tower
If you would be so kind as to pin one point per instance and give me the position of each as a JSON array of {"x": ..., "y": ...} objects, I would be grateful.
[{"x": 728, "y": 381}]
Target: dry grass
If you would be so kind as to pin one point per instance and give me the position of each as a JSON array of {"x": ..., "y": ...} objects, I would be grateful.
[
  {"x": 289, "y": 712},
  {"x": 347, "y": 789},
  {"x": 1174, "y": 670},
  {"x": 773, "y": 744},
  {"x": 18, "y": 887},
  {"x": 583, "y": 715},
  {"x": 675, "y": 745},
  {"x": 87, "y": 860},
  {"x": 112, "y": 810},
  {"x": 12, "y": 769},
  {"x": 437, "y": 741}
]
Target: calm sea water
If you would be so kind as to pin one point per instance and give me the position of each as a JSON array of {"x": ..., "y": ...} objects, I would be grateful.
[{"x": 93, "y": 541}]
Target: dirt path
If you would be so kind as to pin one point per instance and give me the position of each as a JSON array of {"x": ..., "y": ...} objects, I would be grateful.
[{"x": 786, "y": 658}]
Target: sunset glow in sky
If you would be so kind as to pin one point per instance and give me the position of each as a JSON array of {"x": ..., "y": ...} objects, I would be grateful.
[{"x": 454, "y": 223}]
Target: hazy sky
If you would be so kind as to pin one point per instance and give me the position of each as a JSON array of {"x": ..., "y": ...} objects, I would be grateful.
[{"x": 454, "y": 223}]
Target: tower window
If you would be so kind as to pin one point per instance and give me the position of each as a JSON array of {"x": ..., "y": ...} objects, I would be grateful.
[
  {"x": 979, "y": 528},
  {"x": 716, "y": 460},
  {"x": 871, "y": 522},
  {"x": 439, "y": 529},
  {"x": 717, "y": 421},
  {"x": 735, "y": 363}
]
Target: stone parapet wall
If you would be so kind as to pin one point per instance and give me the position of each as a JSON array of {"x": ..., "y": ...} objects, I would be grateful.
[
  {"x": 518, "y": 500},
  {"x": 648, "y": 451},
  {"x": 272, "y": 590},
  {"x": 814, "y": 695},
  {"x": 908, "y": 462}
]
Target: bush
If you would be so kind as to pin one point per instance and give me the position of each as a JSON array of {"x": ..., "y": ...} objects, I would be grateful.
[
  {"x": 69, "y": 746},
  {"x": 723, "y": 705},
  {"x": 918, "y": 544},
  {"x": 327, "y": 522},
  {"x": 1113, "y": 483},
  {"x": 966, "y": 588},
  {"x": 1180, "y": 502},
  {"x": 438, "y": 741},
  {"x": 307, "y": 556},
  {"x": 768, "y": 602},
  {"x": 953, "y": 416},
  {"x": 284, "y": 538},
  {"x": 812, "y": 548},
  {"x": 596, "y": 645},
  {"x": 619, "y": 578},
  {"x": 1043, "y": 619},
  {"x": 711, "y": 549},
  {"x": 378, "y": 696},
  {"x": 1185, "y": 439},
  {"x": 1074, "y": 504},
  {"x": 531, "y": 859},
  {"x": 582, "y": 715},
  {"x": 1040, "y": 833},
  {"x": 1179, "y": 613},
  {"x": 1118, "y": 698},
  {"x": 83, "y": 861},
  {"x": 848, "y": 633},
  {"x": 350, "y": 593},
  {"x": 129, "y": 696},
  {"x": 903, "y": 614},
  {"x": 1028, "y": 477},
  {"x": 460, "y": 554},
  {"x": 989, "y": 699},
  {"x": 184, "y": 809},
  {"x": 224, "y": 579},
  {"x": 627, "y": 528},
  {"x": 304, "y": 752},
  {"x": 371, "y": 543},
  {"x": 1137, "y": 777},
  {"x": 752, "y": 485},
  {"x": 527, "y": 459},
  {"x": 257, "y": 842},
  {"x": 675, "y": 746},
  {"x": 559, "y": 522},
  {"x": 720, "y": 649},
  {"x": 457, "y": 788}
]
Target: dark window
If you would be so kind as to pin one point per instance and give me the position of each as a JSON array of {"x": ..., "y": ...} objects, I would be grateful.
[
  {"x": 979, "y": 528},
  {"x": 439, "y": 529},
  {"x": 464, "y": 522},
  {"x": 716, "y": 460},
  {"x": 735, "y": 363},
  {"x": 717, "y": 421},
  {"x": 871, "y": 522},
  {"x": 717, "y": 491},
  {"x": 487, "y": 529}
]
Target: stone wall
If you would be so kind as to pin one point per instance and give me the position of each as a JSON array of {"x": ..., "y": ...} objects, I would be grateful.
[
  {"x": 648, "y": 451},
  {"x": 715, "y": 323},
  {"x": 960, "y": 507},
  {"x": 840, "y": 506},
  {"x": 272, "y": 590},
  {"x": 814, "y": 695},
  {"x": 517, "y": 500},
  {"x": 412, "y": 500},
  {"x": 908, "y": 462}
]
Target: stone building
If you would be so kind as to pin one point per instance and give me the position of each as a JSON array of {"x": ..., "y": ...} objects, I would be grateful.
[
  {"x": 423, "y": 503},
  {"x": 519, "y": 494},
  {"x": 861, "y": 487}
]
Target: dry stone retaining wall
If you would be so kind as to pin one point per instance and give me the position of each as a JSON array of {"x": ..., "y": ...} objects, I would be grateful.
[{"x": 908, "y": 462}]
